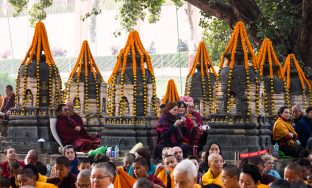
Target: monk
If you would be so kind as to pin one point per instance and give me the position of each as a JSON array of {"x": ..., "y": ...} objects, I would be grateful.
[
  {"x": 9, "y": 101},
  {"x": 69, "y": 132}
]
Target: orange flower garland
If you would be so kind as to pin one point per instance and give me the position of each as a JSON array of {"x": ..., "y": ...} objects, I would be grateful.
[
  {"x": 84, "y": 63},
  {"x": 40, "y": 43},
  {"x": 172, "y": 94},
  {"x": 266, "y": 52},
  {"x": 133, "y": 46},
  {"x": 302, "y": 78},
  {"x": 206, "y": 67},
  {"x": 239, "y": 32}
]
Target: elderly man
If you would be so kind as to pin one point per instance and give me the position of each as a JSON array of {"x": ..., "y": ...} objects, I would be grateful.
[
  {"x": 102, "y": 175},
  {"x": 32, "y": 158},
  {"x": 213, "y": 176},
  {"x": 303, "y": 126},
  {"x": 185, "y": 175},
  {"x": 178, "y": 153},
  {"x": 83, "y": 179}
]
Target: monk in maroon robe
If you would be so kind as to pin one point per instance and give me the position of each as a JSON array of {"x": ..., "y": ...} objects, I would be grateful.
[
  {"x": 9, "y": 101},
  {"x": 68, "y": 130}
]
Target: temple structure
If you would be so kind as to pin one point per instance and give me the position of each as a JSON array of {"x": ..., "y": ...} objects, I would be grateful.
[
  {"x": 298, "y": 88},
  {"x": 272, "y": 87},
  {"x": 38, "y": 93},
  {"x": 131, "y": 101},
  {"x": 86, "y": 87},
  {"x": 236, "y": 124},
  {"x": 201, "y": 80}
]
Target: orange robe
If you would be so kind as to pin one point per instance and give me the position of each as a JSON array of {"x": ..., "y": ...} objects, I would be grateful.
[
  {"x": 209, "y": 179},
  {"x": 123, "y": 180},
  {"x": 281, "y": 132}
]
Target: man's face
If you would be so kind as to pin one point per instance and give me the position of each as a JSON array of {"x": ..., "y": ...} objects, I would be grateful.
[
  {"x": 127, "y": 162},
  {"x": 246, "y": 181},
  {"x": 62, "y": 171},
  {"x": 291, "y": 176},
  {"x": 64, "y": 111},
  {"x": 216, "y": 164},
  {"x": 181, "y": 180},
  {"x": 228, "y": 181},
  {"x": 70, "y": 107},
  {"x": 11, "y": 154},
  {"x": 8, "y": 92},
  {"x": 100, "y": 179},
  {"x": 170, "y": 162},
  {"x": 309, "y": 115},
  {"x": 83, "y": 182},
  {"x": 178, "y": 154},
  {"x": 31, "y": 159},
  {"x": 296, "y": 113},
  {"x": 24, "y": 181},
  {"x": 83, "y": 166},
  {"x": 139, "y": 170}
]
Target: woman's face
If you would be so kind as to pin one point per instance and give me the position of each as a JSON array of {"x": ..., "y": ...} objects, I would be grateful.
[
  {"x": 286, "y": 114},
  {"x": 214, "y": 148},
  {"x": 269, "y": 165},
  {"x": 11, "y": 154},
  {"x": 70, "y": 154},
  {"x": 181, "y": 110},
  {"x": 174, "y": 110}
]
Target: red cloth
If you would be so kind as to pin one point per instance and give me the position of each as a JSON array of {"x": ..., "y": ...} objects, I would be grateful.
[
  {"x": 8, "y": 102},
  {"x": 78, "y": 121},
  {"x": 199, "y": 119},
  {"x": 187, "y": 130},
  {"x": 65, "y": 127},
  {"x": 156, "y": 180},
  {"x": 6, "y": 168}
]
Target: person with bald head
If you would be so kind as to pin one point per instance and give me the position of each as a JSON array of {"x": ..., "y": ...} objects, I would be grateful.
[
  {"x": 303, "y": 125},
  {"x": 214, "y": 175},
  {"x": 32, "y": 158}
]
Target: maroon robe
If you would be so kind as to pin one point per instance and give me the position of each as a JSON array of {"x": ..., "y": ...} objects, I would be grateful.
[
  {"x": 156, "y": 180},
  {"x": 8, "y": 102},
  {"x": 65, "y": 127},
  {"x": 6, "y": 171},
  {"x": 199, "y": 119}
]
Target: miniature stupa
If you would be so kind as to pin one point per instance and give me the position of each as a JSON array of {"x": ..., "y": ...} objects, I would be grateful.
[
  {"x": 38, "y": 93},
  {"x": 85, "y": 86},
  {"x": 201, "y": 79},
  {"x": 171, "y": 94},
  {"x": 298, "y": 87},
  {"x": 38, "y": 83},
  {"x": 132, "y": 86},
  {"x": 272, "y": 90},
  {"x": 237, "y": 84}
]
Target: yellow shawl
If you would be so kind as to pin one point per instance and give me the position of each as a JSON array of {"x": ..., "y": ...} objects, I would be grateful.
[
  {"x": 262, "y": 186},
  {"x": 281, "y": 129},
  {"x": 209, "y": 179},
  {"x": 123, "y": 180}
]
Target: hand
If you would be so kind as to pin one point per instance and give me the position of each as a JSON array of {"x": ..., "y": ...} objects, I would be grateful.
[
  {"x": 291, "y": 135},
  {"x": 77, "y": 128},
  {"x": 178, "y": 122}
]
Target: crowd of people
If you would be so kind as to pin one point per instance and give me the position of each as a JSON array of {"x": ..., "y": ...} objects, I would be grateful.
[{"x": 180, "y": 159}]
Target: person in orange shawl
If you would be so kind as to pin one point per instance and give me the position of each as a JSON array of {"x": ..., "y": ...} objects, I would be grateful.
[
  {"x": 284, "y": 133},
  {"x": 213, "y": 176}
]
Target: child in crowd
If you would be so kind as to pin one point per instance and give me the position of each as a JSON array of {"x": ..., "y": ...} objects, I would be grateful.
[
  {"x": 84, "y": 163},
  {"x": 64, "y": 178},
  {"x": 127, "y": 161},
  {"x": 140, "y": 168}
]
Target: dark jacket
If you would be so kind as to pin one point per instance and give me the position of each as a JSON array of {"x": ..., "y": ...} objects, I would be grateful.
[{"x": 303, "y": 127}]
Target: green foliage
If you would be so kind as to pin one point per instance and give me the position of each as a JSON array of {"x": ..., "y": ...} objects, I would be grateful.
[
  {"x": 216, "y": 34},
  {"x": 6, "y": 79},
  {"x": 134, "y": 10},
  {"x": 36, "y": 12}
]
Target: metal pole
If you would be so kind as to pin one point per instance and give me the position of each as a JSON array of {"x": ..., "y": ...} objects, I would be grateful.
[{"x": 177, "y": 19}]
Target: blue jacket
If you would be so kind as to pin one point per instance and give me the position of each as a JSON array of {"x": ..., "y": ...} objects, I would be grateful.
[{"x": 303, "y": 127}]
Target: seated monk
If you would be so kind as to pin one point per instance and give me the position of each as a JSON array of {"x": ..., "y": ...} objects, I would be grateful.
[
  {"x": 8, "y": 102},
  {"x": 69, "y": 132}
]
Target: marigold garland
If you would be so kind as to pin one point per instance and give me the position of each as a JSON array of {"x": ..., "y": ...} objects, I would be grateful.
[
  {"x": 239, "y": 32},
  {"x": 172, "y": 94},
  {"x": 206, "y": 68},
  {"x": 302, "y": 78},
  {"x": 40, "y": 43},
  {"x": 133, "y": 46},
  {"x": 84, "y": 63}
]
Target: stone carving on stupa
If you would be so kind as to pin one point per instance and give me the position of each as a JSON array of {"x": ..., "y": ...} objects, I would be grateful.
[
  {"x": 201, "y": 79},
  {"x": 86, "y": 87},
  {"x": 298, "y": 88},
  {"x": 237, "y": 84},
  {"x": 272, "y": 88},
  {"x": 171, "y": 94},
  {"x": 132, "y": 86}
]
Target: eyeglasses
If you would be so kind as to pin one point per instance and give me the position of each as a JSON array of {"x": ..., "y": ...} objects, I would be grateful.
[
  {"x": 83, "y": 185},
  {"x": 99, "y": 177}
]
